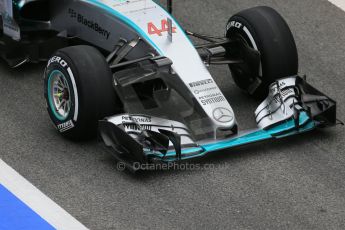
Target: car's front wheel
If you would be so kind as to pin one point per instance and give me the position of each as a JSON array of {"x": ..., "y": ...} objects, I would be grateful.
[
  {"x": 79, "y": 91},
  {"x": 264, "y": 30}
]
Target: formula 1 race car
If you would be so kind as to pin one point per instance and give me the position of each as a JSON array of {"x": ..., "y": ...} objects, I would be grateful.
[{"x": 127, "y": 70}]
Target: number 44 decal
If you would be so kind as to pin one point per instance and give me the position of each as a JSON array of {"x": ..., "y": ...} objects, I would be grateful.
[{"x": 152, "y": 29}]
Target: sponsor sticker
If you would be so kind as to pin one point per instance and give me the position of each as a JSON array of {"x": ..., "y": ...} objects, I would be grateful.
[
  {"x": 91, "y": 24},
  {"x": 57, "y": 59},
  {"x": 141, "y": 119},
  {"x": 153, "y": 29},
  {"x": 207, "y": 92},
  {"x": 200, "y": 83},
  {"x": 136, "y": 127},
  {"x": 136, "y": 123},
  {"x": 65, "y": 126},
  {"x": 235, "y": 24}
]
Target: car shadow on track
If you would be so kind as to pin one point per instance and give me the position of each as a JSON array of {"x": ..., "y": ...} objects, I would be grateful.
[{"x": 23, "y": 69}]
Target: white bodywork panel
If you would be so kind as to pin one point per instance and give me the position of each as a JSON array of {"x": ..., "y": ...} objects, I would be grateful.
[
  {"x": 11, "y": 28},
  {"x": 135, "y": 124},
  {"x": 186, "y": 60},
  {"x": 279, "y": 105},
  {"x": 6, "y": 7}
]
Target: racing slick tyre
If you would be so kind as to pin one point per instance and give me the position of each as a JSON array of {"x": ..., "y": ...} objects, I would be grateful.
[
  {"x": 79, "y": 91},
  {"x": 264, "y": 30}
]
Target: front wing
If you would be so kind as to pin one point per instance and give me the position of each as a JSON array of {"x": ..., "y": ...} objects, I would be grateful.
[{"x": 292, "y": 107}]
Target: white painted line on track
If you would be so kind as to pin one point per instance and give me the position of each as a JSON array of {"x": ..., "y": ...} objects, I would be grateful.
[
  {"x": 36, "y": 200},
  {"x": 339, "y": 3}
]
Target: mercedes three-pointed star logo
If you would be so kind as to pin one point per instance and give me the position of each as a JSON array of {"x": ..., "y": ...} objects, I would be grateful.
[{"x": 223, "y": 115}]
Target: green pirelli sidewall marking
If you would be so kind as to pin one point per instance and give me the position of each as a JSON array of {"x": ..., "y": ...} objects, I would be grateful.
[{"x": 50, "y": 99}]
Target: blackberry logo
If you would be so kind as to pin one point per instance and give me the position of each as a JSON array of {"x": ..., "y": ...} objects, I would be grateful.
[{"x": 89, "y": 23}]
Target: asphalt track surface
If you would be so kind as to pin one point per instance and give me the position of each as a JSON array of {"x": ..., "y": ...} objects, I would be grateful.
[{"x": 295, "y": 183}]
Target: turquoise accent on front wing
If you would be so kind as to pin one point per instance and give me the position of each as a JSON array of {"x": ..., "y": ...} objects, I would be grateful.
[
  {"x": 288, "y": 128},
  {"x": 126, "y": 20}
]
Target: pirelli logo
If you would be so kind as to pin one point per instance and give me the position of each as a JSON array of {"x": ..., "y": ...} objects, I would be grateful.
[{"x": 200, "y": 83}]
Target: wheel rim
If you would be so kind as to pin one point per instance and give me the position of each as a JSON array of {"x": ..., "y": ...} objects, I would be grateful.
[{"x": 59, "y": 95}]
